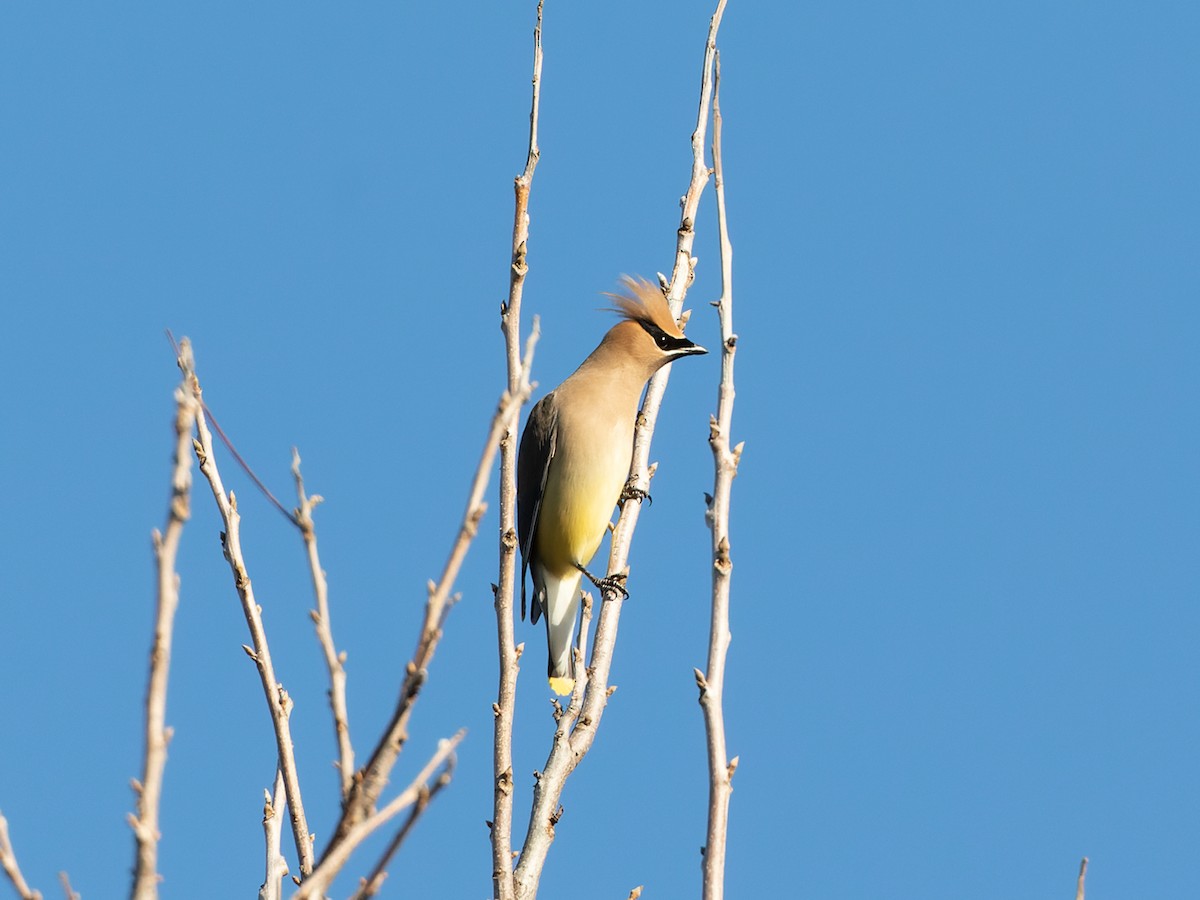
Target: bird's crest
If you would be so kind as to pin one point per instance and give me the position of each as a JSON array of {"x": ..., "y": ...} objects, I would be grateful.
[{"x": 645, "y": 303}]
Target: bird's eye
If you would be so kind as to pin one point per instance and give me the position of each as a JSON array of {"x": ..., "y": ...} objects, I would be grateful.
[{"x": 664, "y": 342}]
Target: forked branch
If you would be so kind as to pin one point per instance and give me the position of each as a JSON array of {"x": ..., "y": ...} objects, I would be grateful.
[
  {"x": 370, "y": 885},
  {"x": 316, "y": 885}
]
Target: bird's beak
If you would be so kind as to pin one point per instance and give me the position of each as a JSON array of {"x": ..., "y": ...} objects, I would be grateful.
[{"x": 692, "y": 350}]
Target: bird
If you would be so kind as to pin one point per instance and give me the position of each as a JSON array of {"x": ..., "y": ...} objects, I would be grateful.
[{"x": 574, "y": 458}]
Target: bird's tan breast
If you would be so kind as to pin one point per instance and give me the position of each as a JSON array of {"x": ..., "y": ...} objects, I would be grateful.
[{"x": 590, "y": 465}]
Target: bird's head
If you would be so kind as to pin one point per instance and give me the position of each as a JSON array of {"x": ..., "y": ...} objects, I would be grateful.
[{"x": 649, "y": 335}]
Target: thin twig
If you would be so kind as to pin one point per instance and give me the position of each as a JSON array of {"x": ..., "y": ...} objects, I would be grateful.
[
  {"x": 565, "y": 755},
  {"x": 278, "y": 701},
  {"x": 370, "y": 885},
  {"x": 8, "y": 860},
  {"x": 315, "y": 885},
  {"x": 166, "y": 547},
  {"x": 585, "y": 622},
  {"x": 1082, "y": 875},
  {"x": 335, "y": 662},
  {"x": 277, "y": 867},
  {"x": 725, "y": 465},
  {"x": 364, "y": 794},
  {"x": 233, "y": 451},
  {"x": 509, "y": 652},
  {"x": 245, "y": 467},
  {"x": 68, "y": 891}
]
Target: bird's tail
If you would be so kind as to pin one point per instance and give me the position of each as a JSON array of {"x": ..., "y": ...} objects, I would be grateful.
[{"x": 561, "y": 608}]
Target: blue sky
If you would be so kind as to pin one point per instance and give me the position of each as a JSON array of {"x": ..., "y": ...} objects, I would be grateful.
[{"x": 965, "y": 528}]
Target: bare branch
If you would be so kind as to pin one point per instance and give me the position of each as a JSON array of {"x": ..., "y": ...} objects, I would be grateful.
[
  {"x": 166, "y": 547},
  {"x": 370, "y": 885},
  {"x": 567, "y": 752},
  {"x": 511, "y": 311},
  {"x": 8, "y": 860},
  {"x": 1082, "y": 875},
  {"x": 725, "y": 464},
  {"x": 518, "y": 375},
  {"x": 278, "y": 701},
  {"x": 585, "y": 622},
  {"x": 316, "y": 884},
  {"x": 277, "y": 867},
  {"x": 334, "y": 661},
  {"x": 68, "y": 892}
]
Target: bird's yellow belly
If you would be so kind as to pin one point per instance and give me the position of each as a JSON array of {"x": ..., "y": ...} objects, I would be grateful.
[{"x": 576, "y": 510}]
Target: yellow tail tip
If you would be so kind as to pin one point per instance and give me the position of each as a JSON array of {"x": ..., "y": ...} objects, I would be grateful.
[{"x": 562, "y": 686}]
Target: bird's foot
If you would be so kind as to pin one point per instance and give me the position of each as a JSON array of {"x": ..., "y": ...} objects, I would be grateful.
[
  {"x": 632, "y": 492},
  {"x": 612, "y": 583}
]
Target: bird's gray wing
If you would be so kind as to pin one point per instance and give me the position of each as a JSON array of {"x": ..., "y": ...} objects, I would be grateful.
[{"x": 533, "y": 464}]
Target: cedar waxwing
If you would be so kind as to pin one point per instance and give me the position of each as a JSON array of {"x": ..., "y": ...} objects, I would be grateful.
[{"x": 574, "y": 462}]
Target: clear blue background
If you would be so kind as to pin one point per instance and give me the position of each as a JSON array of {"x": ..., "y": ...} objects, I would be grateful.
[{"x": 965, "y": 529}]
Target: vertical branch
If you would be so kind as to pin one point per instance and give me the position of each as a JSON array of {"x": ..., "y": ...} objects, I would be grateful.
[
  {"x": 681, "y": 278},
  {"x": 8, "y": 861},
  {"x": 510, "y": 313},
  {"x": 725, "y": 464},
  {"x": 509, "y": 653},
  {"x": 278, "y": 701},
  {"x": 566, "y": 754},
  {"x": 1082, "y": 875},
  {"x": 334, "y": 661},
  {"x": 166, "y": 547}
]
